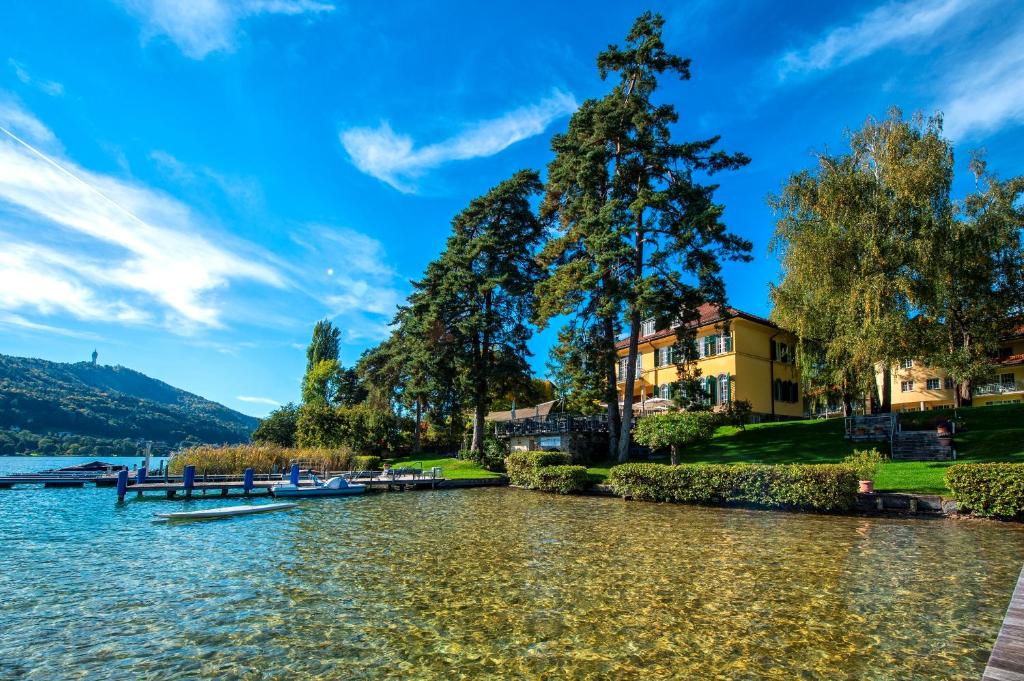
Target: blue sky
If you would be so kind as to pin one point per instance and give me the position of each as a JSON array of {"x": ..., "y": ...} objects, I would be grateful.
[{"x": 188, "y": 186}]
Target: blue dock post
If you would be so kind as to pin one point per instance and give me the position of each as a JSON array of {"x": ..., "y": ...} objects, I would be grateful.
[
  {"x": 140, "y": 477},
  {"x": 122, "y": 483},
  {"x": 247, "y": 481},
  {"x": 294, "y": 477},
  {"x": 190, "y": 480}
]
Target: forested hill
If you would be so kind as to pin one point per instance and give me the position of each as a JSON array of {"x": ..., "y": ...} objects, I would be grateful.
[{"x": 109, "y": 403}]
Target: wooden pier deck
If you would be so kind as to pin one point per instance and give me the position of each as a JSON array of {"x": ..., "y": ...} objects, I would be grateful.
[
  {"x": 1006, "y": 663},
  {"x": 223, "y": 486}
]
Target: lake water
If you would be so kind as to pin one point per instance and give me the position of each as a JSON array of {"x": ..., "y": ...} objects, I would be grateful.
[{"x": 491, "y": 583}]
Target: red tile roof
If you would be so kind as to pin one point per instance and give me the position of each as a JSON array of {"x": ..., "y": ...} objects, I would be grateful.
[{"x": 708, "y": 313}]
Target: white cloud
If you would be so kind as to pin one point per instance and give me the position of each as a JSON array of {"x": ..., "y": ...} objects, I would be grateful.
[
  {"x": 50, "y": 87},
  {"x": 884, "y": 26},
  {"x": 244, "y": 191},
  {"x": 14, "y": 321},
  {"x": 199, "y": 27},
  {"x": 359, "y": 288},
  {"x": 258, "y": 400},
  {"x": 15, "y": 118},
  {"x": 125, "y": 249},
  {"x": 395, "y": 159},
  {"x": 986, "y": 92}
]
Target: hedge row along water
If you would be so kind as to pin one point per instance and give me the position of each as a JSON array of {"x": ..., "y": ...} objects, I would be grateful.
[
  {"x": 546, "y": 471},
  {"x": 818, "y": 487},
  {"x": 988, "y": 489}
]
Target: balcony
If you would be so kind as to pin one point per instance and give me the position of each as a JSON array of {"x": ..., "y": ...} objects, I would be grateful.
[{"x": 998, "y": 388}]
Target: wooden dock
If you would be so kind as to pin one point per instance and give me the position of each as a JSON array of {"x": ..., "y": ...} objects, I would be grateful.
[
  {"x": 1006, "y": 663},
  {"x": 226, "y": 486}
]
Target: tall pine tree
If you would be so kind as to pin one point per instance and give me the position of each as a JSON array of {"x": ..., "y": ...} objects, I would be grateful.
[{"x": 640, "y": 234}]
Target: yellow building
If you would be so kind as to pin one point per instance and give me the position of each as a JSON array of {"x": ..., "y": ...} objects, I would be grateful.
[
  {"x": 752, "y": 360},
  {"x": 917, "y": 387}
]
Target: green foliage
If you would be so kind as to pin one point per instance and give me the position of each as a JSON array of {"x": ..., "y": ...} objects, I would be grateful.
[
  {"x": 988, "y": 489},
  {"x": 866, "y": 462},
  {"x": 563, "y": 479},
  {"x": 871, "y": 239},
  {"x": 522, "y": 467},
  {"x": 279, "y": 427},
  {"x": 361, "y": 428},
  {"x": 366, "y": 463},
  {"x": 323, "y": 346},
  {"x": 809, "y": 487},
  {"x": 738, "y": 413},
  {"x": 492, "y": 457},
  {"x": 93, "y": 408},
  {"x": 675, "y": 430},
  {"x": 261, "y": 458}
]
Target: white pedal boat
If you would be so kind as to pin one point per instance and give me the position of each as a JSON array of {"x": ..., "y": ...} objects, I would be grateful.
[
  {"x": 225, "y": 512},
  {"x": 333, "y": 487}
]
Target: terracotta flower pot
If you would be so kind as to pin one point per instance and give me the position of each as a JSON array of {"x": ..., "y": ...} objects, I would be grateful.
[{"x": 867, "y": 487}]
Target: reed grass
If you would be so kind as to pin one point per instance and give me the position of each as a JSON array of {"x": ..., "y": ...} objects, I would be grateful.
[{"x": 262, "y": 458}]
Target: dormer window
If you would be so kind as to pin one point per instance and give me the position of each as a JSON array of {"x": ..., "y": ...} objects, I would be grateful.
[
  {"x": 907, "y": 364},
  {"x": 647, "y": 327}
]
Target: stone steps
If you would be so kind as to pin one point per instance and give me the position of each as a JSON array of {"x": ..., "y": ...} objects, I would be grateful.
[{"x": 920, "y": 446}]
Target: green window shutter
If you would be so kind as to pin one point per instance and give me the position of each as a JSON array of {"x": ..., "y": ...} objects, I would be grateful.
[{"x": 728, "y": 343}]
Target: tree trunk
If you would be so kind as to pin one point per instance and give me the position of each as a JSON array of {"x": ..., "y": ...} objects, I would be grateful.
[
  {"x": 962, "y": 395},
  {"x": 847, "y": 404},
  {"x": 611, "y": 392},
  {"x": 416, "y": 436},
  {"x": 480, "y": 380},
  {"x": 625, "y": 437},
  {"x": 674, "y": 455},
  {"x": 886, "y": 403}
]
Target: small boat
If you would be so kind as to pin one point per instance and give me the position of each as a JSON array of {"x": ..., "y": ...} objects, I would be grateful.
[
  {"x": 225, "y": 512},
  {"x": 333, "y": 487}
]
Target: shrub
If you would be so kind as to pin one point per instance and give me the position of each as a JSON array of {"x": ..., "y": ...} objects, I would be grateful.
[
  {"x": 866, "y": 462},
  {"x": 233, "y": 460},
  {"x": 563, "y": 479},
  {"x": 819, "y": 487},
  {"x": 988, "y": 489},
  {"x": 522, "y": 466},
  {"x": 366, "y": 463},
  {"x": 675, "y": 430}
]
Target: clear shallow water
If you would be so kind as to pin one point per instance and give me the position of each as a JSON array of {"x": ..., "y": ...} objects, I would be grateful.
[{"x": 492, "y": 583}]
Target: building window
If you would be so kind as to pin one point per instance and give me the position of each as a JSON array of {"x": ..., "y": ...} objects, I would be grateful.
[
  {"x": 777, "y": 390},
  {"x": 1007, "y": 380},
  {"x": 647, "y": 327},
  {"x": 907, "y": 364},
  {"x": 932, "y": 384},
  {"x": 665, "y": 391},
  {"x": 664, "y": 356},
  {"x": 906, "y": 386},
  {"x": 947, "y": 383},
  {"x": 723, "y": 388}
]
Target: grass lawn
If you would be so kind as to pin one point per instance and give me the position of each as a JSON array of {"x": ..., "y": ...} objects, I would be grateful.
[
  {"x": 993, "y": 434},
  {"x": 452, "y": 469}
]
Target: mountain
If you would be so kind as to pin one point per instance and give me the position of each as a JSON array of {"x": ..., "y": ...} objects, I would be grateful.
[{"x": 104, "y": 409}]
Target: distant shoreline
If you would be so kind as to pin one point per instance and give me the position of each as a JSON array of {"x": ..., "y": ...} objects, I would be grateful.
[{"x": 84, "y": 456}]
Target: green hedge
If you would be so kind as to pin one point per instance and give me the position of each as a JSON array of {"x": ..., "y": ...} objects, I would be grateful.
[
  {"x": 366, "y": 463},
  {"x": 820, "y": 487},
  {"x": 988, "y": 489},
  {"x": 563, "y": 479},
  {"x": 522, "y": 466}
]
